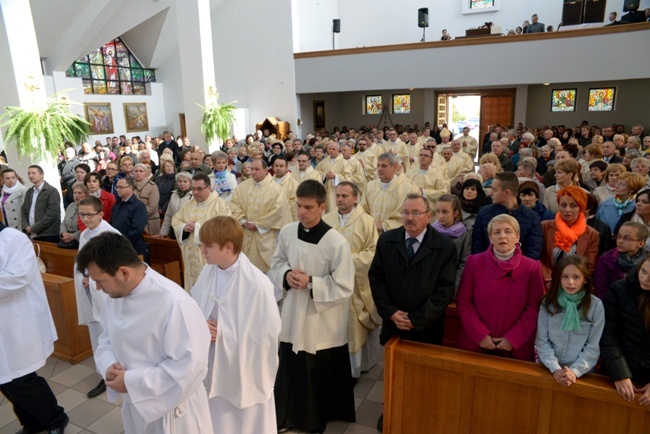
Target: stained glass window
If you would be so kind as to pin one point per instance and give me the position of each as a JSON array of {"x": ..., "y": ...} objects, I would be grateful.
[
  {"x": 112, "y": 69},
  {"x": 373, "y": 105},
  {"x": 480, "y": 4},
  {"x": 402, "y": 104},
  {"x": 601, "y": 100}
]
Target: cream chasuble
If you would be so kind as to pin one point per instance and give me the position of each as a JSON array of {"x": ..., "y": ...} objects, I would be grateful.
[
  {"x": 454, "y": 167},
  {"x": 310, "y": 173},
  {"x": 340, "y": 167},
  {"x": 469, "y": 145},
  {"x": 264, "y": 204},
  {"x": 414, "y": 152},
  {"x": 360, "y": 232},
  {"x": 385, "y": 206},
  {"x": 193, "y": 211},
  {"x": 432, "y": 183},
  {"x": 466, "y": 163},
  {"x": 357, "y": 176},
  {"x": 289, "y": 187},
  {"x": 368, "y": 160},
  {"x": 398, "y": 148}
]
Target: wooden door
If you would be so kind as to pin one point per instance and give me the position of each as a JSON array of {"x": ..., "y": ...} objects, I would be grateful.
[
  {"x": 496, "y": 109},
  {"x": 182, "y": 122}
]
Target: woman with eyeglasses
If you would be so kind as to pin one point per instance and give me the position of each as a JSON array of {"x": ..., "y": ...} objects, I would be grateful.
[
  {"x": 109, "y": 181},
  {"x": 611, "y": 210},
  {"x": 629, "y": 252},
  {"x": 498, "y": 296},
  {"x": 640, "y": 214}
]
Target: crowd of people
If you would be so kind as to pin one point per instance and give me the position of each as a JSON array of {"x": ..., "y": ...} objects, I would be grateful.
[{"x": 357, "y": 235}]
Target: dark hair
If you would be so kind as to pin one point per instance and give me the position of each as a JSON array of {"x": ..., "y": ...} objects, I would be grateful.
[
  {"x": 353, "y": 186},
  {"x": 645, "y": 191},
  {"x": 550, "y": 302},
  {"x": 92, "y": 201},
  {"x": 572, "y": 149},
  {"x": 599, "y": 164},
  {"x": 108, "y": 251},
  {"x": 592, "y": 203},
  {"x": 508, "y": 181},
  {"x": 202, "y": 177},
  {"x": 37, "y": 167},
  {"x": 83, "y": 166},
  {"x": 280, "y": 157},
  {"x": 96, "y": 175},
  {"x": 129, "y": 181},
  {"x": 644, "y": 298},
  {"x": 312, "y": 189}
]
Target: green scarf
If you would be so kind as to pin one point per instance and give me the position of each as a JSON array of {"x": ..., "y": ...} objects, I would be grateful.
[{"x": 570, "y": 302}]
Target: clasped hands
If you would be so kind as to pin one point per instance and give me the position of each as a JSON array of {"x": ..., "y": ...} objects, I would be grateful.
[
  {"x": 564, "y": 376},
  {"x": 115, "y": 378},
  {"x": 626, "y": 389},
  {"x": 297, "y": 279},
  {"x": 490, "y": 343},
  {"x": 401, "y": 320}
]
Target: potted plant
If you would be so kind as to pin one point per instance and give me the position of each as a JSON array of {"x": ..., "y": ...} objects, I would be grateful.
[
  {"x": 38, "y": 132},
  {"x": 217, "y": 118}
]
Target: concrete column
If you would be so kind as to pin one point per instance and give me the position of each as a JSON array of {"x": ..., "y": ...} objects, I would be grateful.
[
  {"x": 197, "y": 63},
  {"x": 24, "y": 85}
]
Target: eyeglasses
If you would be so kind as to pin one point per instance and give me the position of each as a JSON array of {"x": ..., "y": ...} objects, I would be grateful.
[
  {"x": 84, "y": 215},
  {"x": 110, "y": 168},
  {"x": 119, "y": 187},
  {"x": 625, "y": 238},
  {"x": 414, "y": 214},
  {"x": 198, "y": 189}
]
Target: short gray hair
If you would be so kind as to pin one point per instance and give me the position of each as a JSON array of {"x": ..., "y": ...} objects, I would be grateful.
[
  {"x": 504, "y": 218},
  {"x": 186, "y": 175},
  {"x": 529, "y": 136},
  {"x": 392, "y": 158},
  {"x": 218, "y": 155}
]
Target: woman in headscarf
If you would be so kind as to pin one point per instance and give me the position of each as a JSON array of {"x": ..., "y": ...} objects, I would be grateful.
[{"x": 472, "y": 199}]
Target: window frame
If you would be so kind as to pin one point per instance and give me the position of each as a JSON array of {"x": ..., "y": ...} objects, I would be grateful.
[{"x": 466, "y": 8}]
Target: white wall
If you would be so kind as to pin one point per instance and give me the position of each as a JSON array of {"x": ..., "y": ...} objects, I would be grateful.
[
  {"x": 253, "y": 52},
  {"x": 154, "y": 99},
  {"x": 631, "y": 104},
  {"x": 386, "y": 22}
]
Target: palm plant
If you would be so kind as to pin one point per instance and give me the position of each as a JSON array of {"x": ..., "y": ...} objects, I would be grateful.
[
  {"x": 217, "y": 118},
  {"x": 38, "y": 132}
]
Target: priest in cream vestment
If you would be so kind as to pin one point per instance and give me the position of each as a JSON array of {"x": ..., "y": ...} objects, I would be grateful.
[
  {"x": 395, "y": 146},
  {"x": 384, "y": 196},
  {"x": 467, "y": 164},
  {"x": 367, "y": 158},
  {"x": 429, "y": 178},
  {"x": 204, "y": 205},
  {"x": 262, "y": 209},
  {"x": 333, "y": 169},
  {"x": 358, "y": 228},
  {"x": 357, "y": 175},
  {"x": 289, "y": 185},
  {"x": 454, "y": 164},
  {"x": 243, "y": 318},
  {"x": 305, "y": 171}
]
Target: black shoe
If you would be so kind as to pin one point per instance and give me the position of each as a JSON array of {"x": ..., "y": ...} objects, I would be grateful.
[
  {"x": 98, "y": 390},
  {"x": 318, "y": 431},
  {"x": 282, "y": 429},
  {"x": 380, "y": 423},
  {"x": 24, "y": 431},
  {"x": 61, "y": 428}
]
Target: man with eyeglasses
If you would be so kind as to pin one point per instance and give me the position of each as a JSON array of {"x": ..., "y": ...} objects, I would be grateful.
[
  {"x": 129, "y": 215},
  {"x": 397, "y": 147},
  {"x": 367, "y": 158},
  {"x": 412, "y": 277},
  {"x": 429, "y": 178},
  {"x": 305, "y": 171},
  {"x": 90, "y": 301},
  {"x": 204, "y": 205}
]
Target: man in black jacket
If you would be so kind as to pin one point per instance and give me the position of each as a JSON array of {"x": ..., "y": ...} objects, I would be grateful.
[
  {"x": 129, "y": 215},
  {"x": 412, "y": 277},
  {"x": 41, "y": 210}
]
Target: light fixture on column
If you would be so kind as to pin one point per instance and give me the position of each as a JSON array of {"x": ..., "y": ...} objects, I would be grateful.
[
  {"x": 423, "y": 21},
  {"x": 336, "y": 28}
]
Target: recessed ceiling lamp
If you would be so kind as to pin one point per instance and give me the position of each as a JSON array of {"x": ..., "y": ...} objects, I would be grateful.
[{"x": 546, "y": 84}]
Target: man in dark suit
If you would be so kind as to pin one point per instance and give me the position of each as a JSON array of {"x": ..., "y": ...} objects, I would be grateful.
[
  {"x": 412, "y": 277},
  {"x": 170, "y": 143},
  {"x": 609, "y": 155},
  {"x": 41, "y": 210},
  {"x": 129, "y": 215}
]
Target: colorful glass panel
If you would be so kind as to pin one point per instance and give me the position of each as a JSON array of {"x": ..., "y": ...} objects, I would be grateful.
[
  {"x": 480, "y": 4},
  {"x": 563, "y": 100},
  {"x": 99, "y": 86},
  {"x": 88, "y": 87},
  {"x": 83, "y": 70},
  {"x": 373, "y": 105},
  {"x": 127, "y": 88},
  {"x": 113, "y": 87},
  {"x": 134, "y": 62},
  {"x": 601, "y": 100},
  {"x": 402, "y": 104},
  {"x": 137, "y": 74},
  {"x": 149, "y": 75},
  {"x": 96, "y": 57},
  {"x": 139, "y": 89},
  {"x": 97, "y": 72}
]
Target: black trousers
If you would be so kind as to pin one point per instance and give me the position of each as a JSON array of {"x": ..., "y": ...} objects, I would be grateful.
[
  {"x": 34, "y": 403},
  {"x": 48, "y": 239}
]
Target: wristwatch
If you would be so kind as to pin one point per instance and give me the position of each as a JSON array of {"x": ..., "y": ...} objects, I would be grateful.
[{"x": 309, "y": 285}]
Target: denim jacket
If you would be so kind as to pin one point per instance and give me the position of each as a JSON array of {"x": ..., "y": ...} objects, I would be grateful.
[{"x": 578, "y": 349}]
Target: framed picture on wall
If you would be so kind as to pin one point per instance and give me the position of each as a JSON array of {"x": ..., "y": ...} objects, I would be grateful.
[
  {"x": 100, "y": 117},
  {"x": 135, "y": 117},
  {"x": 601, "y": 99},
  {"x": 563, "y": 100},
  {"x": 319, "y": 114}
]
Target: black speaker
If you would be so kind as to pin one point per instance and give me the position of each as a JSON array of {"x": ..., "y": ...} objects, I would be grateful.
[
  {"x": 423, "y": 17},
  {"x": 572, "y": 12},
  {"x": 631, "y": 5},
  {"x": 336, "y": 24}
]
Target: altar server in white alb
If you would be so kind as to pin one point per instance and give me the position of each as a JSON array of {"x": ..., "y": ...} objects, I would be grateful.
[
  {"x": 154, "y": 345},
  {"x": 313, "y": 265},
  {"x": 90, "y": 301},
  {"x": 27, "y": 336},
  {"x": 242, "y": 315}
]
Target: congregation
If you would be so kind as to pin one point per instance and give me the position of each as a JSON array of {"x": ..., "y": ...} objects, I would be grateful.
[{"x": 304, "y": 256}]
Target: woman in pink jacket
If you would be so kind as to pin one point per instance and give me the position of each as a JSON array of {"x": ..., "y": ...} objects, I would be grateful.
[{"x": 498, "y": 297}]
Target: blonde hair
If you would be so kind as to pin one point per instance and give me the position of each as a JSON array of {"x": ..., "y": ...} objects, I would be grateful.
[{"x": 504, "y": 218}]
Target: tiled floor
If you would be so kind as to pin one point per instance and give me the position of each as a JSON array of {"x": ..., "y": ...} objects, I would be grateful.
[{"x": 70, "y": 384}]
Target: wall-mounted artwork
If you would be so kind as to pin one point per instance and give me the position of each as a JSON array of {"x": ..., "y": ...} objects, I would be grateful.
[
  {"x": 373, "y": 105},
  {"x": 319, "y": 114},
  {"x": 601, "y": 100},
  {"x": 135, "y": 117},
  {"x": 100, "y": 117},
  {"x": 563, "y": 100},
  {"x": 402, "y": 104}
]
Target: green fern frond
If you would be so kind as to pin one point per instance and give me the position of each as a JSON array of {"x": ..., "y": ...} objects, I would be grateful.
[
  {"x": 217, "y": 119},
  {"x": 40, "y": 132}
]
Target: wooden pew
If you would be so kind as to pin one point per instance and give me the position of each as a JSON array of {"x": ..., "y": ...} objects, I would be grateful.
[
  {"x": 73, "y": 344},
  {"x": 57, "y": 260},
  {"x": 452, "y": 324},
  {"x": 431, "y": 389},
  {"x": 165, "y": 257}
]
